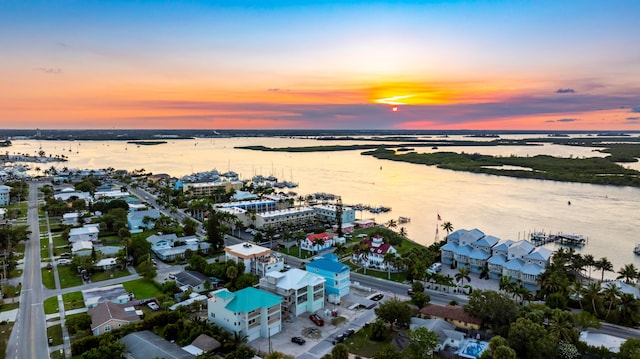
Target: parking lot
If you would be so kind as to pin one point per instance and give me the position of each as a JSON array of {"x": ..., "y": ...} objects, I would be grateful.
[{"x": 319, "y": 340}]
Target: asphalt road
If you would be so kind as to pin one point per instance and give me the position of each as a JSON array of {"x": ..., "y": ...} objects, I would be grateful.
[{"x": 29, "y": 335}]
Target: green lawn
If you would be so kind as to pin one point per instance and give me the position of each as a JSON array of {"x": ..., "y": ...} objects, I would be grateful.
[
  {"x": 51, "y": 305},
  {"x": 110, "y": 274},
  {"x": 5, "y": 332},
  {"x": 55, "y": 332},
  {"x": 112, "y": 240},
  {"x": 142, "y": 288},
  {"x": 73, "y": 300},
  {"x": 47, "y": 278},
  {"x": 9, "y": 306},
  {"x": 58, "y": 241},
  {"x": 68, "y": 278},
  {"x": 360, "y": 345}
]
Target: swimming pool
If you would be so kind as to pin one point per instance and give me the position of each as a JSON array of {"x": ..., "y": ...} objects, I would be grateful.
[{"x": 472, "y": 348}]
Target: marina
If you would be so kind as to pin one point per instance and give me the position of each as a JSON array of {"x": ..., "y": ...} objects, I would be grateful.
[{"x": 569, "y": 239}]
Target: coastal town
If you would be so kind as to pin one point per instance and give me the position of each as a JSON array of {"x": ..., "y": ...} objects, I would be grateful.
[{"x": 210, "y": 265}]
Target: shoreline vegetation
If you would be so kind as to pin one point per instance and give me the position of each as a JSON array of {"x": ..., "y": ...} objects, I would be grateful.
[
  {"x": 147, "y": 143},
  {"x": 593, "y": 170}
]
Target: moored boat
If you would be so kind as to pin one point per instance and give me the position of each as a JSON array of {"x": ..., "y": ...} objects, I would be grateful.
[{"x": 636, "y": 250}]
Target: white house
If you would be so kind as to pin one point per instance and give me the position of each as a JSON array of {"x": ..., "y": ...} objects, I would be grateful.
[
  {"x": 251, "y": 312},
  {"x": 258, "y": 260},
  {"x": 5, "y": 192},
  {"x": 309, "y": 243},
  {"x": 88, "y": 232},
  {"x": 106, "y": 264},
  {"x": 375, "y": 256},
  {"x": 70, "y": 219},
  {"x": 301, "y": 291}
]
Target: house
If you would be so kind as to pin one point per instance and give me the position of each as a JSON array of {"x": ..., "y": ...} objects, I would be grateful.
[
  {"x": 202, "y": 344},
  {"x": 309, "y": 243},
  {"x": 364, "y": 223},
  {"x": 258, "y": 260},
  {"x": 498, "y": 258},
  {"x": 106, "y": 264},
  {"x": 162, "y": 241},
  {"x": 377, "y": 249},
  {"x": 147, "y": 345},
  {"x": 451, "y": 314},
  {"x": 172, "y": 248},
  {"x": 301, "y": 291},
  {"x": 337, "y": 276},
  {"x": 70, "y": 219},
  {"x": 193, "y": 298},
  {"x": 5, "y": 195},
  {"x": 82, "y": 247},
  {"x": 251, "y": 312},
  {"x": 88, "y": 232},
  {"x": 138, "y": 221},
  {"x": 69, "y": 194},
  {"x": 446, "y": 331},
  {"x": 114, "y": 293},
  {"x": 107, "y": 316},
  {"x": 196, "y": 281},
  {"x": 480, "y": 253}
]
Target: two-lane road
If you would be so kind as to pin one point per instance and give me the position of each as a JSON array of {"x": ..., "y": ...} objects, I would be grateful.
[{"x": 29, "y": 335}]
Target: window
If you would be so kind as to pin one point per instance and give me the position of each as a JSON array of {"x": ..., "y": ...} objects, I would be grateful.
[{"x": 107, "y": 328}]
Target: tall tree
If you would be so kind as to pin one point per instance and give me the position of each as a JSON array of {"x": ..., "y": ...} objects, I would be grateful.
[
  {"x": 422, "y": 343},
  {"x": 604, "y": 265},
  {"x": 394, "y": 311},
  {"x": 463, "y": 274},
  {"x": 447, "y": 227},
  {"x": 629, "y": 273},
  {"x": 214, "y": 233}
]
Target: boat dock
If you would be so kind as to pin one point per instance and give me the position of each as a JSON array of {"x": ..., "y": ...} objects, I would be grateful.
[{"x": 569, "y": 239}]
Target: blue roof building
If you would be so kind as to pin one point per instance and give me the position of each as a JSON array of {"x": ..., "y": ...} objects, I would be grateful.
[
  {"x": 251, "y": 312},
  {"x": 336, "y": 274}
]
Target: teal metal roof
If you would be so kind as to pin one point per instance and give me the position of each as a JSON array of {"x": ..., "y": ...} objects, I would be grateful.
[{"x": 248, "y": 299}]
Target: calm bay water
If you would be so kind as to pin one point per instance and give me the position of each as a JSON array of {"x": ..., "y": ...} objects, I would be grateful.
[{"x": 507, "y": 208}]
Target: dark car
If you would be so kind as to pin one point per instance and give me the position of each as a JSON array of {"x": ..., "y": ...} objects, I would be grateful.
[
  {"x": 339, "y": 338},
  {"x": 298, "y": 340},
  {"x": 315, "y": 318},
  {"x": 377, "y": 297},
  {"x": 349, "y": 332},
  {"x": 410, "y": 291}
]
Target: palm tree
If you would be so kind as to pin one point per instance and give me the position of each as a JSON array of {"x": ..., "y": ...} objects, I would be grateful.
[
  {"x": 317, "y": 243},
  {"x": 592, "y": 294},
  {"x": 589, "y": 261},
  {"x": 628, "y": 273},
  {"x": 604, "y": 265},
  {"x": 389, "y": 260},
  {"x": 463, "y": 273},
  {"x": 299, "y": 238},
  {"x": 363, "y": 249},
  {"x": 562, "y": 326},
  {"x": 392, "y": 224},
  {"x": 403, "y": 232},
  {"x": 232, "y": 272},
  {"x": 612, "y": 295},
  {"x": 447, "y": 227},
  {"x": 507, "y": 285}
]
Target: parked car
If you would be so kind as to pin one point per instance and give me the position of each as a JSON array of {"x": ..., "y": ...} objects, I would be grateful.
[
  {"x": 298, "y": 340},
  {"x": 171, "y": 276},
  {"x": 377, "y": 297},
  {"x": 410, "y": 291},
  {"x": 64, "y": 262},
  {"x": 339, "y": 338},
  {"x": 349, "y": 332},
  {"x": 315, "y": 318},
  {"x": 153, "y": 306}
]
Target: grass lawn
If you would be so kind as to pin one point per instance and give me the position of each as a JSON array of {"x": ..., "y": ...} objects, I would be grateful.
[
  {"x": 73, "y": 300},
  {"x": 112, "y": 240},
  {"x": 9, "y": 306},
  {"x": 55, "y": 332},
  {"x": 5, "y": 332},
  {"x": 47, "y": 278},
  {"x": 58, "y": 241},
  {"x": 51, "y": 305},
  {"x": 142, "y": 288},
  {"x": 110, "y": 274},
  {"x": 68, "y": 278},
  {"x": 360, "y": 345}
]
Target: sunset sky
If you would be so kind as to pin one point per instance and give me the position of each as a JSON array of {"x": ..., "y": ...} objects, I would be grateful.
[{"x": 552, "y": 65}]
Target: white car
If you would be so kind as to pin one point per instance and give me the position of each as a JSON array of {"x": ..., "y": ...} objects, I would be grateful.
[
  {"x": 64, "y": 262},
  {"x": 153, "y": 306}
]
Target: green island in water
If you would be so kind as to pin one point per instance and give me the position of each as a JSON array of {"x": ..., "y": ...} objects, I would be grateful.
[{"x": 594, "y": 170}]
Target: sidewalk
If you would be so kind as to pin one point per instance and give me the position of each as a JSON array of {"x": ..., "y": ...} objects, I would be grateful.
[{"x": 9, "y": 315}]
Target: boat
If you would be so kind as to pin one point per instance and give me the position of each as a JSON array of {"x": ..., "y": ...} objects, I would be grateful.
[
  {"x": 636, "y": 250},
  {"x": 404, "y": 219}
]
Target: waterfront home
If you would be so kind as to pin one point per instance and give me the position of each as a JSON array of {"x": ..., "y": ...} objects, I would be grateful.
[
  {"x": 376, "y": 251},
  {"x": 480, "y": 252},
  {"x": 309, "y": 243},
  {"x": 451, "y": 314},
  {"x": 257, "y": 260},
  {"x": 108, "y": 316},
  {"x": 337, "y": 276},
  {"x": 364, "y": 223},
  {"x": 147, "y": 345},
  {"x": 328, "y": 213},
  {"x": 5, "y": 195},
  {"x": 301, "y": 291},
  {"x": 250, "y": 312}
]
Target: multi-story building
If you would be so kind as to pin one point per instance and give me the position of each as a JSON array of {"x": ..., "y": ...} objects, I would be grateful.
[
  {"x": 337, "y": 276},
  {"x": 251, "y": 312},
  {"x": 257, "y": 260},
  {"x": 317, "y": 242},
  {"x": 294, "y": 215},
  {"x": 374, "y": 258},
  {"x": 5, "y": 195},
  {"x": 209, "y": 188},
  {"x": 301, "y": 291},
  {"x": 327, "y": 212}
]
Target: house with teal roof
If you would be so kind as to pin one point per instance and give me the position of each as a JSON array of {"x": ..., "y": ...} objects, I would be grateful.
[
  {"x": 337, "y": 276},
  {"x": 251, "y": 312}
]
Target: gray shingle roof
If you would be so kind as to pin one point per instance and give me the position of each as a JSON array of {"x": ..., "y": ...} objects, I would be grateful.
[{"x": 146, "y": 345}]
